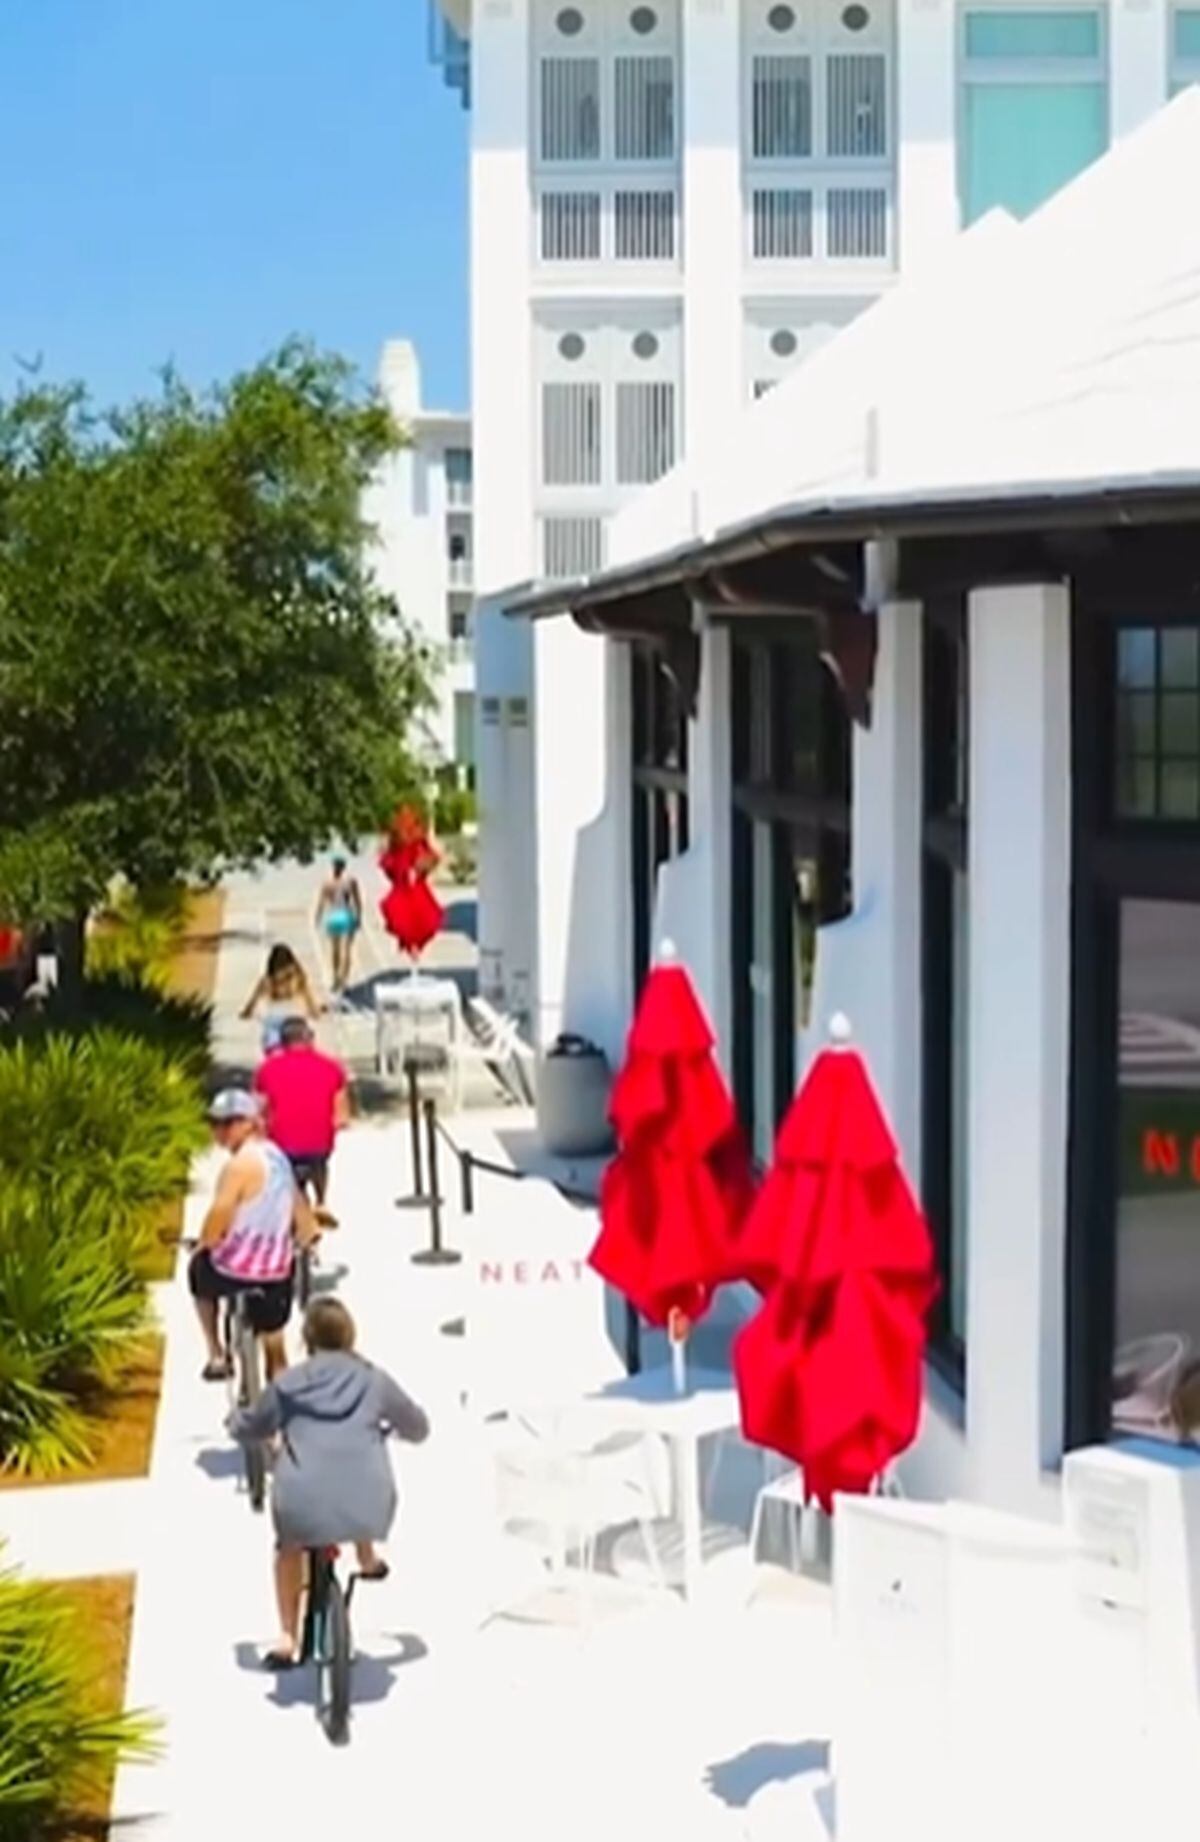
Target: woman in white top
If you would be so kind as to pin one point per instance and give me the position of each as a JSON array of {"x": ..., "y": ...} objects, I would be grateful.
[{"x": 283, "y": 991}]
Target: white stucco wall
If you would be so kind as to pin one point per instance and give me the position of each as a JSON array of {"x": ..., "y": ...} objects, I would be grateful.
[
  {"x": 1019, "y": 955},
  {"x": 581, "y": 908},
  {"x": 713, "y": 392},
  {"x": 505, "y": 782},
  {"x": 406, "y": 507}
]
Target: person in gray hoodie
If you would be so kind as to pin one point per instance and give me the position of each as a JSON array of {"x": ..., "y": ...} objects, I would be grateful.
[{"x": 333, "y": 1478}]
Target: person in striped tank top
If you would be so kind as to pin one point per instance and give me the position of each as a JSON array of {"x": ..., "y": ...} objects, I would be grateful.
[{"x": 249, "y": 1236}]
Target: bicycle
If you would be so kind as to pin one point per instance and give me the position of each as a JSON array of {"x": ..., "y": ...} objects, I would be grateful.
[
  {"x": 325, "y": 1639},
  {"x": 305, "y": 1171},
  {"x": 240, "y": 1340}
]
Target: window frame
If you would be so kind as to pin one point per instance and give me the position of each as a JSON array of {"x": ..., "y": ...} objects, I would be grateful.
[
  {"x": 974, "y": 71},
  {"x": 605, "y": 43},
  {"x": 660, "y": 815},
  {"x": 1183, "y": 68},
  {"x": 945, "y": 857},
  {"x": 819, "y": 812},
  {"x": 1114, "y": 859}
]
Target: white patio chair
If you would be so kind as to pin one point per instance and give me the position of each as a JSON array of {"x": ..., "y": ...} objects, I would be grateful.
[
  {"x": 418, "y": 1022},
  {"x": 558, "y": 1497},
  {"x": 1145, "y": 1374},
  {"x": 804, "y": 1519}
]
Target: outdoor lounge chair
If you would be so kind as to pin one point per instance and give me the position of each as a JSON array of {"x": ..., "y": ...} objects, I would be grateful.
[{"x": 496, "y": 1043}]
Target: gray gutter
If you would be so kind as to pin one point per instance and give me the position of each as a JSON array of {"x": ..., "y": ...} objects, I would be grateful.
[{"x": 1156, "y": 499}]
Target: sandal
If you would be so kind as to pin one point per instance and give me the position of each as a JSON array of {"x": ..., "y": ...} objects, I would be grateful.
[
  {"x": 217, "y": 1371},
  {"x": 379, "y": 1571},
  {"x": 280, "y": 1659}
]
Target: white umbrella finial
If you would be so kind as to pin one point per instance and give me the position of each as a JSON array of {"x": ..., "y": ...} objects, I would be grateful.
[
  {"x": 839, "y": 1029},
  {"x": 667, "y": 951}
]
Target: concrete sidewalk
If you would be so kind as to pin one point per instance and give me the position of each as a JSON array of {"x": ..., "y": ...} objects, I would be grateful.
[{"x": 660, "y": 1722}]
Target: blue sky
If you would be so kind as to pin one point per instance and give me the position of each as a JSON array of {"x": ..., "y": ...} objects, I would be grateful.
[{"x": 195, "y": 179}]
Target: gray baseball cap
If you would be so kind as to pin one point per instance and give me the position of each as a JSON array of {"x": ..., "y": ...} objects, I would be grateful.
[{"x": 232, "y": 1103}]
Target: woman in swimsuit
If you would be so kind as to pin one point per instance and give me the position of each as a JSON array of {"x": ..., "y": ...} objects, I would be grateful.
[
  {"x": 339, "y": 912},
  {"x": 283, "y": 991}
]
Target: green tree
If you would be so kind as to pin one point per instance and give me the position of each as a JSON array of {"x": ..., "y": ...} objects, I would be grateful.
[{"x": 196, "y": 668}]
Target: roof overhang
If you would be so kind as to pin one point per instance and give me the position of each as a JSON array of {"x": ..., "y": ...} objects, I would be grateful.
[
  {"x": 809, "y": 561},
  {"x": 827, "y": 527}
]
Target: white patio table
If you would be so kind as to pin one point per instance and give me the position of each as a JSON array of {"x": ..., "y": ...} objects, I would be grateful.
[{"x": 649, "y": 1404}]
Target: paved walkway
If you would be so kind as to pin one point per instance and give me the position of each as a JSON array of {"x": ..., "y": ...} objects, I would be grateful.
[{"x": 661, "y": 1723}]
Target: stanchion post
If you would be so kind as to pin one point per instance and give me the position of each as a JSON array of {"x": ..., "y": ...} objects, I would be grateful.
[
  {"x": 435, "y": 1254},
  {"x": 418, "y": 1199},
  {"x": 633, "y": 1340}
]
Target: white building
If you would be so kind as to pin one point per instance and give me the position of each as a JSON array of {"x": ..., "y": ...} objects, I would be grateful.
[
  {"x": 932, "y": 672},
  {"x": 885, "y": 697},
  {"x": 421, "y": 508},
  {"x": 673, "y": 204}
]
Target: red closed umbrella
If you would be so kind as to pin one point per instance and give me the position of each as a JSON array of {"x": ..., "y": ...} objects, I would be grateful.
[
  {"x": 411, "y": 912},
  {"x": 830, "y": 1368},
  {"x": 680, "y": 1184}
]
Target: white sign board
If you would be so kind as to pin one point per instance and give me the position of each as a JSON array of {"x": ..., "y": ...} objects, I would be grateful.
[{"x": 536, "y": 1331}]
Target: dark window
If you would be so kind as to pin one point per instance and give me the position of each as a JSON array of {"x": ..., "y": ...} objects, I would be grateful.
[
  {"x": 660, "y": 789},
  {"x": 791, "y": 862},
  {"x": 1133, "y": 1298},
  {"x": 1156, "y": 1361},
  {"x": 1157, "y": 740},
  {"x": 944, "y": 936}
]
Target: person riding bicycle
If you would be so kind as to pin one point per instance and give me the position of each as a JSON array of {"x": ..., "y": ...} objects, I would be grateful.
[
  {"x": 249, "y": 1237},
  {"x": 333, "y": 1479},
  {"x": 306, "y": 1096}
]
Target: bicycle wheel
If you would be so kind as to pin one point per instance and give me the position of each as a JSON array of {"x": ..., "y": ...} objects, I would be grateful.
[
  {"x": 249, "y": 1388},
  {"x": 333, "y": 1661},
  {"x": 303, "y": 1277}
]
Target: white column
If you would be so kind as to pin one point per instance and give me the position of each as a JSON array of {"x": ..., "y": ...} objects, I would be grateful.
[
  {"x": 501, "y": 347},
  {"x": 713, "y": 243},
  {"x": 1019, "y": 980},
  {"x": 886, "y": 860},
  {"x": 1138, "y": 62},
  {"x": 926, "y": 107},
  {"x": 501, "y": 364},
  {"x": 578, "y": 907}
]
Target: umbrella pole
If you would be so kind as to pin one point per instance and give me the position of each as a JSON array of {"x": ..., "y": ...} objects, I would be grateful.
[{"x": 677, "y": 1330}]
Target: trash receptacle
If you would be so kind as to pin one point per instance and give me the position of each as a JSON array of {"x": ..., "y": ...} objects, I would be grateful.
[{"x": 572, "y": 1099}]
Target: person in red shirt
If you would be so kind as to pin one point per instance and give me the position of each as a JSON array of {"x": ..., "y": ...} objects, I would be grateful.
[{"x": 307, "y": 1103}]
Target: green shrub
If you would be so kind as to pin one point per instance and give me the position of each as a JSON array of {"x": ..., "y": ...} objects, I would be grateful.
[
  {"x": 53, "y": 1745},
  {"x": 454, "y": 810},
  {"x": 72, "y": 1309},
  {"x": 99, "y": 1117},
  {"x": 138, "y": 934},
  {"x": 179, "y": 1027}
]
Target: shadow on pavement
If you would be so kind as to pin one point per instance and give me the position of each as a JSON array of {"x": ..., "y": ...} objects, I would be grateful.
[
  {"x": 220, "y": 1461},
  {"x": 327, "y": 1278},
  {"x": 462, "y": 917},
  {"x": 372, "y": 1679},
  {"x": 738, "y": 1780}
]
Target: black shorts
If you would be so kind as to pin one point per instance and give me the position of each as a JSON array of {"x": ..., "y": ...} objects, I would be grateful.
[
  {"x": 269, "y": 1305},
  {"x": 310, "y": 1170}
]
